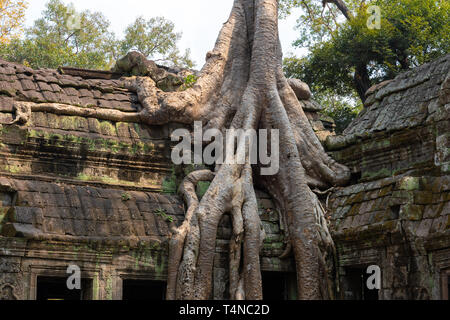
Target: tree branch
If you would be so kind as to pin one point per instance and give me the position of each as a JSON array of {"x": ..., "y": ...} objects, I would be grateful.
[{"x": 341, "y": 6}]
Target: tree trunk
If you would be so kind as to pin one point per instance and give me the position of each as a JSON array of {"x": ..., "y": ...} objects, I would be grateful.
[
  {"x": 242, "y": 86},
  {"x": 362, "y": 81},
  {"x": 361, "y": 78}
]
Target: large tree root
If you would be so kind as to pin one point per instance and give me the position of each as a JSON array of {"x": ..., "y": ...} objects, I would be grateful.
[{"x": 241, "y": 86}]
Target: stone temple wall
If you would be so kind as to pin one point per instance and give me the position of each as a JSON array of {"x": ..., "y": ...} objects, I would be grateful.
[
  {"x": 396, "y": 213},
  {"x": 73, "y": 190}
]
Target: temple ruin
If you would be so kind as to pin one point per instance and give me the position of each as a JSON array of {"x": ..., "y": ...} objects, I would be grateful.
[{"x": 102, "y": 195}]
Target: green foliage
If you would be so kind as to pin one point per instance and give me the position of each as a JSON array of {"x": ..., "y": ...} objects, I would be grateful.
[
  {"x": 338, "y": 98},
  {"x": 343, "y": 110},
  {"x": 202, "y": 188},
  {"x": 65, "y": 37},
  {"x": 190, "y": 80},
  {"x": 162, "y": 213},
  {"x": 412, "y": 32},
  {"x": 169, "y": 185},
  {"x": 126, "y": 196},
  {"x": 155, "y": 38},
  {"x": 12, "y": 16}
]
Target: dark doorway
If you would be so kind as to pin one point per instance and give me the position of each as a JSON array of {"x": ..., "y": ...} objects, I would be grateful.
[
  {"x": 445, "y": 276},
  {"x": 448, "y": 287},
  {"x": 356, "y": 285},
  {"x": 55, "y": 288},
  {"x": 279, "y": 286},
  {"x": 143, "y": 290}
]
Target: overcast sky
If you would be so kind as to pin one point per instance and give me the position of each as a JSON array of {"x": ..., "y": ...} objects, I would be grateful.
[{"x": 198, "y": 20}]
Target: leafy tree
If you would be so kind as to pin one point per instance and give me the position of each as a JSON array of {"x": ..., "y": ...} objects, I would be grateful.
[
  {"x": 157, "y": 40},
  {"x": 65, "y": 37},
  {"x": 348, "y": 56},
  {"x": 342, "y": 110},
  {"x": 339, "y": 101},
  {"x": 12, "y": 15}
]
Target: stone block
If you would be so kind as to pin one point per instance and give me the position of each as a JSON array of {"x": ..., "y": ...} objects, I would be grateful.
[
  {"x": 423, "y": 197},
  {"x": 408, "y": 184},
  {"x": 54, "y": 225},
  {"x": 126, "y": 228},
  {"x": 94, "y": 125},
  {"x": 411, "y": 212},
  {"x": 39, "y": 119},
  {"x": 123, "y": 130},
  {"x": 424, "y": 228},
  {"x": 107, "y": 128},
  {"x": 50, "y": 96},
  {"x": 20, "y": 231},
  {"x": 69, "y": 227},
  {"x": 433, "y": 211}
]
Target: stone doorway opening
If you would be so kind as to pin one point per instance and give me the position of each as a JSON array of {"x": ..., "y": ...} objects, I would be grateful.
[
  {"x": 278, "y": 286},
  {"x": 55, "y": 288},
  {"x": 356, "y": 285}
]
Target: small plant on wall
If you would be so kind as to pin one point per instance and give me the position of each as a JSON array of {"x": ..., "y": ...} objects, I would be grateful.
[
  {"x": 126, "y": 196},
  {"x": 162, "y": 213}
]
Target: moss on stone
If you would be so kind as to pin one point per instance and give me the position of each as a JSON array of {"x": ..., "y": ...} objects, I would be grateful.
[
  {"x": 104, "y": 179},
  {"x": 107, "y": 128},
  {"x": 385, "y": 191},
  {"x": 169, "y": 185},
  {"x": 423, "y": 197},
  {"x": 382, "y": 173},
  {"x": 67, "y": 123},
  {"x": 159, "y": 268},
  {"x": 375, "y": 145},
  {"x": 354, "y": 210},
  {"x": 3, "y": 212},
  {"x": 411, "y": 212},
  {"x": 356, "y": 198},
  {"x": 409, "y": 183},
  {"x": 12, "y": 169}
]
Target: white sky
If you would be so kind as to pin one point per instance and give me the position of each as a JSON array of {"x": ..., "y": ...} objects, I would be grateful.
[{"x": 199, "y": 20}]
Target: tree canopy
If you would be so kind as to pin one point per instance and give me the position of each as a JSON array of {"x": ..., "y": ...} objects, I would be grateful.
[
  {"x": 155, "y": 38},
  {"x": 65, "y": 37},
  {"x": 342, "y": 47},
  {"x": 12, "y": 15},
  {"x": 346, "y": 57}
]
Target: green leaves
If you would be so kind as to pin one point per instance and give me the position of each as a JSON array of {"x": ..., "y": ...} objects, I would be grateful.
[
  {"x": 12, "y": 16},
  {"x": 162, "y": 213},
  {"x": 412, "y": 32},
  {"x": 343, "y": 110},
  {"x": 65, "y": 37},
  {"x": 190, "y": 80},
  {"x": 156, "y": 39},
  {"x": 126, "y": 196}
]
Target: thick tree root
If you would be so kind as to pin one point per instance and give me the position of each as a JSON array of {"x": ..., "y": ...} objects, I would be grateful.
[{"x": 176, "y": 244}]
